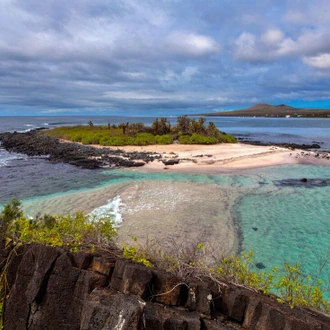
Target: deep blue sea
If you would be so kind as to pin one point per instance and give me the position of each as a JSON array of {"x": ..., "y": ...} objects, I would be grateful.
[{"x": 279, "y": 219}]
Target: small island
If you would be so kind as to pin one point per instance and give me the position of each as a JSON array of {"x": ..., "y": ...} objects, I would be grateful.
[{"x": 267, "y": 110}]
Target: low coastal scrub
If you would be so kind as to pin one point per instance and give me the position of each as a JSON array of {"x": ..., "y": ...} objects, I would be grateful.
[
  {"x": 186, "y": 131},
  {"x": 288, "y": 283},
  {"x": 74, "y": 232}
]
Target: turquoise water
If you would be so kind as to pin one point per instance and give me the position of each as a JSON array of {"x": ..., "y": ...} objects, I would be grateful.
[
  {"x": 279, "y": 217},
  {"x": 279, "y": 221},
  {"x": 289, "y": 223}
]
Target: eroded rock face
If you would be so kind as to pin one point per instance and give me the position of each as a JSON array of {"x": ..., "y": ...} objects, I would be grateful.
[{"x": 53, "y": 289}]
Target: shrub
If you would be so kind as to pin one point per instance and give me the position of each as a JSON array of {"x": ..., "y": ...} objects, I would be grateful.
[
  {"x": 290, "y": 284},
  {"x": 73, "y": 231},
  {"x": 238, "y": 269},
  {"x": 164, "y": 139},
  {"x": 197, "y": 139},
  {"x": 142, "y": 139},
  {"x": 226, "y": 138},
  {"x": 9, "y": 213},
  {"x": 115, "y": 141},
  {"x": 91, "y": 139}
]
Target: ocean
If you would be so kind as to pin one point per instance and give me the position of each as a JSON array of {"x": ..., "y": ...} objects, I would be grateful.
[{"x": 275, "y": 215}]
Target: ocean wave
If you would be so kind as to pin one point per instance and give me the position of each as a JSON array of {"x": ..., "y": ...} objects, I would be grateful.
[
  {"x": 112, "y": 209},
  {"x": 6, "y": 157}
]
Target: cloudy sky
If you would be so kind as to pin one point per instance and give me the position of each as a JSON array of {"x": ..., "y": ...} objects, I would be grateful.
[{"x": 159, "y": 57}]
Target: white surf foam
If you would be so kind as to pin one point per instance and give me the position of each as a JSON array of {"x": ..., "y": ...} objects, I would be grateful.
[
  {"x": 112, "y": 209},
  {"x": 6, "y": 157}
]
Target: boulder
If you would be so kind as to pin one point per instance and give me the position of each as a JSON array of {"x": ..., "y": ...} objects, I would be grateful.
[{"x": 108, "y": 309}]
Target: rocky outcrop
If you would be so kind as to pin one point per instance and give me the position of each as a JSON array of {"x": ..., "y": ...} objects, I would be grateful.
[
  {"x": 35, "y": 144},
  {"x": 50, "y": 288},
  {"x": 287, "y": 145}
]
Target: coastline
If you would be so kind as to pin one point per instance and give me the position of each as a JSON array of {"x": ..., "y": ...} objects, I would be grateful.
[
  {"x": 180, "y": 211},
  {"x": 225, "y": 157}
]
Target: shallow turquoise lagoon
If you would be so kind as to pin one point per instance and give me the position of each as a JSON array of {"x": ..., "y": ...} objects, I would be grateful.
[{"x": 279, "y": 217}]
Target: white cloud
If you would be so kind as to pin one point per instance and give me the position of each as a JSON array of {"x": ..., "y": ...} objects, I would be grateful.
[
  {"x": 245, "y": 46},
  {"x": 273, "y": 45},
  {"x": 191, "y": 44},
  {"x": 319, "y": 62},
  {"x": 180, "y": 54},
  {"x": 272, "y": 37},
  {"x": 310, "y": 42}
]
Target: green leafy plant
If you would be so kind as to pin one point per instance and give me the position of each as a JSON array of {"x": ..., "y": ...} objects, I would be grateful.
[
  {"x": 238, "y": 269},
  {"x": 75, "y": 232},
  {"x": 188, "y": 131},
  {"x": 298, "y": 289}
]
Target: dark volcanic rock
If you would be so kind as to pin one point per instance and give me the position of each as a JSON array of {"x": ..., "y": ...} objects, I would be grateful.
[
  {"x": 52, "y": 289},
  {"x": 304, "y": 182},
  {"x": 171, "y": 161},
  {"x": 283, "y": 145},
  {"x": 34, "y": 143}
]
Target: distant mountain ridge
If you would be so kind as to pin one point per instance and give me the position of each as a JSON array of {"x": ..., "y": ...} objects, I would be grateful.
[{"x": 267, "y": 110}]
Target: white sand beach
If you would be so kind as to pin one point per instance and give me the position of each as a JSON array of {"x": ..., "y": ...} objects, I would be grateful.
[{"x": 226, "y": 157}]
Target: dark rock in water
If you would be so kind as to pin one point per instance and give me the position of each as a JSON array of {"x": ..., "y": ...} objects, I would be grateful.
[
  {"x": 255, "y": 228},
  {"x": 304, "y": 182},
  {"x": 260, "y": 265},
  {"x": 284, "y": 145}
]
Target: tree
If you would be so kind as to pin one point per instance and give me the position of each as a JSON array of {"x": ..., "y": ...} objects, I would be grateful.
[
  {"x": 183, "y": 123},
  {"x": 10, "y": 212},
  {"x": 212, "y": 129},
  {"x": 161, "y": 126}
]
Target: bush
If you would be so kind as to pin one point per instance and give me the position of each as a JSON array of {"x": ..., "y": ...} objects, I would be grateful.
[
  {"x": 64, "y": 231},
  {"x": 91, "y": 139},
  {"x": 226, "y": 138},
  {"x": 187, "y": 131},
  {"x": 142, "y": 139},
  {"x": 197, "y": 139},
  {"x": 164, "y": 139},
  {"x": 115, "y": 141}
]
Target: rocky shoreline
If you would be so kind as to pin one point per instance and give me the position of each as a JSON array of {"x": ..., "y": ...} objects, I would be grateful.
[
  {"x": 35, "y": 144},
  {"x": 288, "y": 145}
]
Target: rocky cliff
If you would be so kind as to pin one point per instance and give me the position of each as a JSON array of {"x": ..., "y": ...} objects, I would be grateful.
[{"x": 50, "y": 288}]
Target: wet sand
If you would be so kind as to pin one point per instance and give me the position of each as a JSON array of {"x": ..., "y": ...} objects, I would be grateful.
[
  {"x": 183, "y": 211},
  {"x": 187, "y": 212}
]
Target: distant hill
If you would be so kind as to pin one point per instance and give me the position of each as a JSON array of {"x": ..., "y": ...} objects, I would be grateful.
[{"x": 267, "y": 110}]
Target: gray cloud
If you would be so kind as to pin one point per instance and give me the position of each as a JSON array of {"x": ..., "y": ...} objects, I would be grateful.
[{"x": 164, "y": 57}]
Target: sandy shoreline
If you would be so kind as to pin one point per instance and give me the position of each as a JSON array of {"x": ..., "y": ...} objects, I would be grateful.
[
  {"x": 183, "y": 211},
  {"x": 226, "y": 157}
]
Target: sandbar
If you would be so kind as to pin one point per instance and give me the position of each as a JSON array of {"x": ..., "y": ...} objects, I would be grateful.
[{"x": 181, "y": 212}]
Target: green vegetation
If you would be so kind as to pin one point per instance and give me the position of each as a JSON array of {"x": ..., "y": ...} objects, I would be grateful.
[
  {"x": 186, "y": 131},
  {"x": 81, "y": 232},
  {"x": 288, "y": 284},
  {"x": 75, "y": 233}
]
